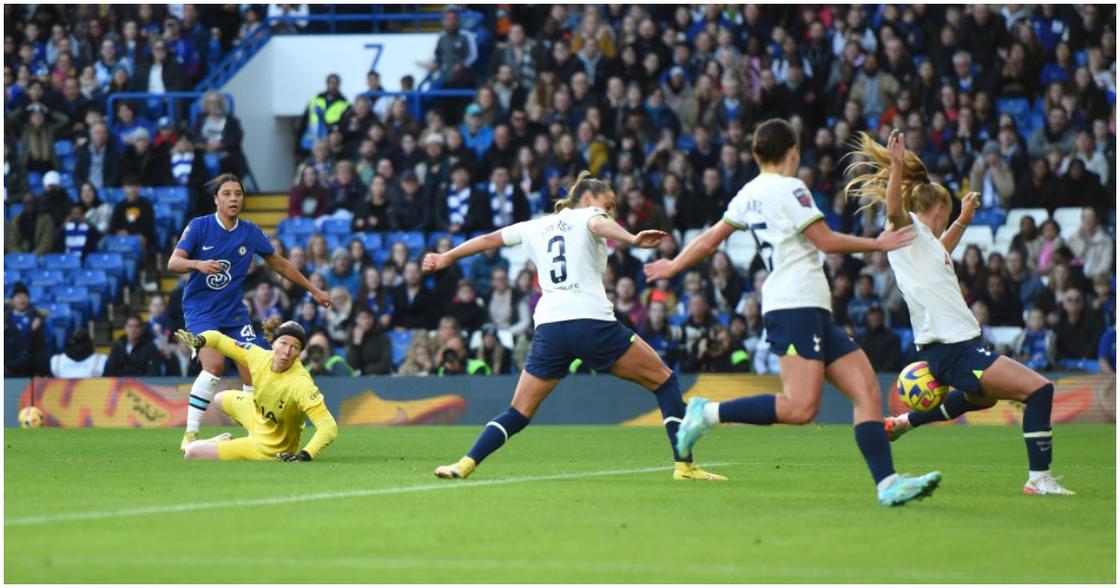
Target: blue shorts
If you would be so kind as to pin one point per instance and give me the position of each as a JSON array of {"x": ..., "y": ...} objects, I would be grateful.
[
  {"x": 807, "y": 332},
  {"x": 959, "y": 365},
  {"x": 597, "y": 343},
  {"x": 244, "y": 333}
]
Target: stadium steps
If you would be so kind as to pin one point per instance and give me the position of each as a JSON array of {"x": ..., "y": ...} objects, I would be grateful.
[{"x": 266, "y": 210}]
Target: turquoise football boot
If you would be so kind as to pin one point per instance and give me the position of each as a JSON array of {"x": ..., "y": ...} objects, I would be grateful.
[
  {"x": 906, "y": 488},
  {"x": 692, "y": 427}
]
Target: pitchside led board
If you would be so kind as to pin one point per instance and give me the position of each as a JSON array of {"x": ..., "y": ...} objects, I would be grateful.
[{"x": 372, "y": 401}]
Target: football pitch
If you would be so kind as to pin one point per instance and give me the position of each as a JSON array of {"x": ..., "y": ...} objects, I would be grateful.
[{"x": 557, "y": 504}]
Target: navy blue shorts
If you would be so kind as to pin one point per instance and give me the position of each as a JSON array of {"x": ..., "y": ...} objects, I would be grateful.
[
  {"x": 244, "y": 333},
  {"x": 597, "y": 343},
  {"x": 807, "y": 332},
  {"x": 959, "y": 365}
]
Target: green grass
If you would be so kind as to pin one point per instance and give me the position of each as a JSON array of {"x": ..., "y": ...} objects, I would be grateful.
[{"x": 800, "y": 507}]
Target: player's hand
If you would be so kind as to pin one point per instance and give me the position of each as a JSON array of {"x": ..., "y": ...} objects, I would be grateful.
[
  {"x": 895, "y": 239},
  {"x": 195, "y": 342},
  {"x": 434, "y": 262},
  {"x": 969, "y": 205},
  {"x": 896, "y": 147},
  {"x": 322, "y": 298},
  {"x": 301, "y": 455},
  {"x": 662, "y": 268},
  {"x": 208, "y": 266},
  {"x": 649, "y": 239}
]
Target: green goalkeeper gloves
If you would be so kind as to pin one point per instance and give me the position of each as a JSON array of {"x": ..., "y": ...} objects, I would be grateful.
[{"x": 195, "y": 342}]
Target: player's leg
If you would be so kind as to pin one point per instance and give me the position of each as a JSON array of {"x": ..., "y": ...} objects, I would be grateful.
[
  {"x": 952, "y": 364},
  {"x": 531, "y": 391},
  {"x": 1007, "y": 379},
  {"x": 641, "y": 364},
  {"x": 240, "y": 449},
  {"x": 851, "y": 373},
  {"x": 202, "y": 392}
]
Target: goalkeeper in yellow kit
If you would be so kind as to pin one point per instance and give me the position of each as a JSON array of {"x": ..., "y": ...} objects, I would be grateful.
[{"x": 274, "y": 413}]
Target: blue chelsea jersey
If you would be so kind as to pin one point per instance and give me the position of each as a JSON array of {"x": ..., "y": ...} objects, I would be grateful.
[{"x": 216, "y": 299}]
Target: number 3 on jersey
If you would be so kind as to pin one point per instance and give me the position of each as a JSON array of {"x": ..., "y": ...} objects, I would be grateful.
[{"x": 559, "y": 271}]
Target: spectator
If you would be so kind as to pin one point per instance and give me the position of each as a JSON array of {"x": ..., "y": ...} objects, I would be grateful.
[
  {"x": 482, "y": 268},
  {"x": 37, "y": 128},
  {"x": 1004, "y": 307},
  {"x": 476, "y": 136},
  {"x": 1106, "y": 351},
  {"x": 1092, "y": 245},
  {"x": 160, "y": 73},
  {"x": 663, "y": 337},
  {"x": 98, "y": 161},
  {"x": 699, "y": 320},
  {"x": 717, "y": 352},
  {"x": 309, "y": 317},
  {"x": 882, "y": 346},
  {"x": 140, "y": 160},
  {"x": 342, "y": 272},
  {"x": 418, "y": 359},
  {"x": 79, "y": 361},
  {"x": 642, "y": 214},
  {"x": 307, "y": 198},
  {"x": 76, "y": 234},
  {"x": 344, "y": 191},
  {"x": 375, "y": 213},
  {"x": 32, "y": 231},
  {"x": 134, "y": 215},
  {"x": 453, "y": 207},
  {"x": 1051, "y": 241},
  {"x": 107, "y": 61},
  {"x": 1094, "y": 160},
  {"x": 1036, "y": 345},
  {"x": 727, "y": 285},
  {"x": 413, "y": 303},
  {"x": 1027, "y": 241},
  {"x": 1104, "y": 303},
  {"x": 410, "y": 210},
  {"x": 982, "y": 314},
  {"x": 55, "y": 200},
  {"x": 369, "y": 349},
  {"x": 127, "y": 121},
  {"x": 1055, "y": 133},
  {"x": 993, "y": 178},
  {"x": 864, "y": 300},
  {"x": 466, "y": 307},
  {"x": 455, "y": 56},
  {"x": 1078, "y": 187},
  {"x": 506, "y": 307},
  {"x": 873, "y": 89},
  {"x": 323, "y": 111},
  {"x": 98, "y": 212},
  {"x": 1037, "y": 190},
  {"x": 321, "y": 360},
  {"x": 338, "y": 315},
  {"x": 491, "y": 352},
  {"x": 1024, "y": 284},
  {"x": 134, "y": 353},
  {"x": 218, "y": 135},
  {"x": 627, "y": 302},
  {"x": 1078, "y": 331},
  {"x": 25, "y": 337}
]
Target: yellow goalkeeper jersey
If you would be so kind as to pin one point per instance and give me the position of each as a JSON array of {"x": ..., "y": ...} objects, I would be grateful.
[{"x": 281, "y": 401}]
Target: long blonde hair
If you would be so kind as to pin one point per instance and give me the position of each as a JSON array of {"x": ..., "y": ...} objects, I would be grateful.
[
  {"x": 583, "y": 183},
  {"x": 919, "y": 194},
  {"x": 269, "y": 326}
]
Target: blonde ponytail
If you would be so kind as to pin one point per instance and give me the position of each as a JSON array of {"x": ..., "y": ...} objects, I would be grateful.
[
  {"x": 270, "y": 327},
  {"x": 918, "y": 192},
  {"x": 583, "y": 183}
]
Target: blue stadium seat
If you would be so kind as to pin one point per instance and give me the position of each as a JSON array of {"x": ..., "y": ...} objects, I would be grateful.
[
  {"x": 112, "y": 264},
  {"x": 10, "y": 280},
  {"x": 335, "y": 241},
  {"x": 60, "y": 321},
  {"x": 97, "y": 281},
  {"x": 436, "y": 236},
  {"x": 291, "y": 240},
  {"x": 60, "y": 261},
  {"x": 66, "y": 180},
  {"x": 372, "y": 241},
  {"x": 414, "y": 240},
  {"x": 69, "y": 162},
  {"x": 44, "y": 278},
  {"x": 993, "y": 217},
  {"x": 35, "y": 180},
  {"x": 297, "y": 225},
  {"x": 380, "y": 256},
  {"x": 336, "y": 226},
  {"x": 400, "y": 340},
  {"x": 127, "y": 245},
  {"x": 20, "y": 261},
  {"x": 39, "y": 295},
  {"x": 724, "y": 318},
  {"x": 112, "y": 195},
  {"x": 905, "y": 338},
  {"x": 64, "y": 147},
  {"x": 1019, "y": 109}
]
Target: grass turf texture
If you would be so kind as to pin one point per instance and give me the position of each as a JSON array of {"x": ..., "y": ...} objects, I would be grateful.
[{"x": 800, "y": 507}]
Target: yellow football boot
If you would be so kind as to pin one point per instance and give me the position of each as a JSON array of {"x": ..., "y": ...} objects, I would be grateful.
[
  {"x": 458, "y": 470},
  {"x": 689, "y": 471},
  {"x": 188, "y": 438}
]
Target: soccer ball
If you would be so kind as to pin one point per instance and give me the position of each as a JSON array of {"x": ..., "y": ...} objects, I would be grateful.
[
  {"x": 30, "y": 418},
  {"x": 918, "y": 390}
]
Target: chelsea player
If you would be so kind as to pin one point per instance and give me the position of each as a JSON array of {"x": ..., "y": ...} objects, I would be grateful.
[{"x": 218, "y": 249}]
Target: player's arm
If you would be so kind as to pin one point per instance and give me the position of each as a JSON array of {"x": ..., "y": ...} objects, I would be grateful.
[
  {"x": 326, "y": 429},
  {"x": 434, "y": 262},
  {"x": 608, "y": 228},
  {"x": 830, "y": 241},
  {"x": 896, "y": 148},
  {"x": 292, "y": 273},
  {"x": 952, "y": 235},
  {"x": 179, "y": 263},
  {"x": 693, "y": 252},
  {"x": 216, "y": 340}
]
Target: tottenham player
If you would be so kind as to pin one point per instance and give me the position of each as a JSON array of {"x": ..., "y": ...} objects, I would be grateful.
[
  {"x": 218, "y": 248},
  {"x": 574, "y": 319},
  {"x": 945, "y": 331},
  {"x": 797, "y": 313}
]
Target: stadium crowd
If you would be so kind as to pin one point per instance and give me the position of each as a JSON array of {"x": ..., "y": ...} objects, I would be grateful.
[{"x": 1014, "y": 102}]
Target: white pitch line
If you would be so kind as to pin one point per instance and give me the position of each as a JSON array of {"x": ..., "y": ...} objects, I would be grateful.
[{"x": 193, "y": 506}]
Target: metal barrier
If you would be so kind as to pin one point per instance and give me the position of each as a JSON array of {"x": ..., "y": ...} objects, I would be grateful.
[{"x": 167, "y": 98}]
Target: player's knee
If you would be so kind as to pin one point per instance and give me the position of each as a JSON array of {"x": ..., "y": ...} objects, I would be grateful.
[
  {"x": 194, "y": 451},
  {"x": 802, "y": 413},
  {"x": 218, "y": 399}
]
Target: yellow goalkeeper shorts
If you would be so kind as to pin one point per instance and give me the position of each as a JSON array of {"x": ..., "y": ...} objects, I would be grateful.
[{"x": 239, "y": 406}]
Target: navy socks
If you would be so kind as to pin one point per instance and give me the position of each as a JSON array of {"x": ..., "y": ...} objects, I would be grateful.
[
  {"x": 954, "y": 405},
  {"x": 1036, "y": 428},
  {"x": 672, "y": 411},
  {"x": 752, "y": 410},
  {"x": 873, "y": 443},
  {"x": 496, "y": 433}
]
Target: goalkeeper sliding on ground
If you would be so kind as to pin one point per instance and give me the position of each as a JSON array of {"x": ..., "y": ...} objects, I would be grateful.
[{"x": 275, "y": 412}]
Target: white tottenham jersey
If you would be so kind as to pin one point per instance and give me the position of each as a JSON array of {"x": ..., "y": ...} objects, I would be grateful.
[
  {"x": 570, "y": 262},
  {"x": 777, "y": 209},
  {"x": 925, "y": 275}
]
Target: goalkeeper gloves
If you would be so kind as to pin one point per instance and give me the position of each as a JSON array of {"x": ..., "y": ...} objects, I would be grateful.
[
  {"x": 302, "y": 455},
  {"x": 195, "y": 342}
]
